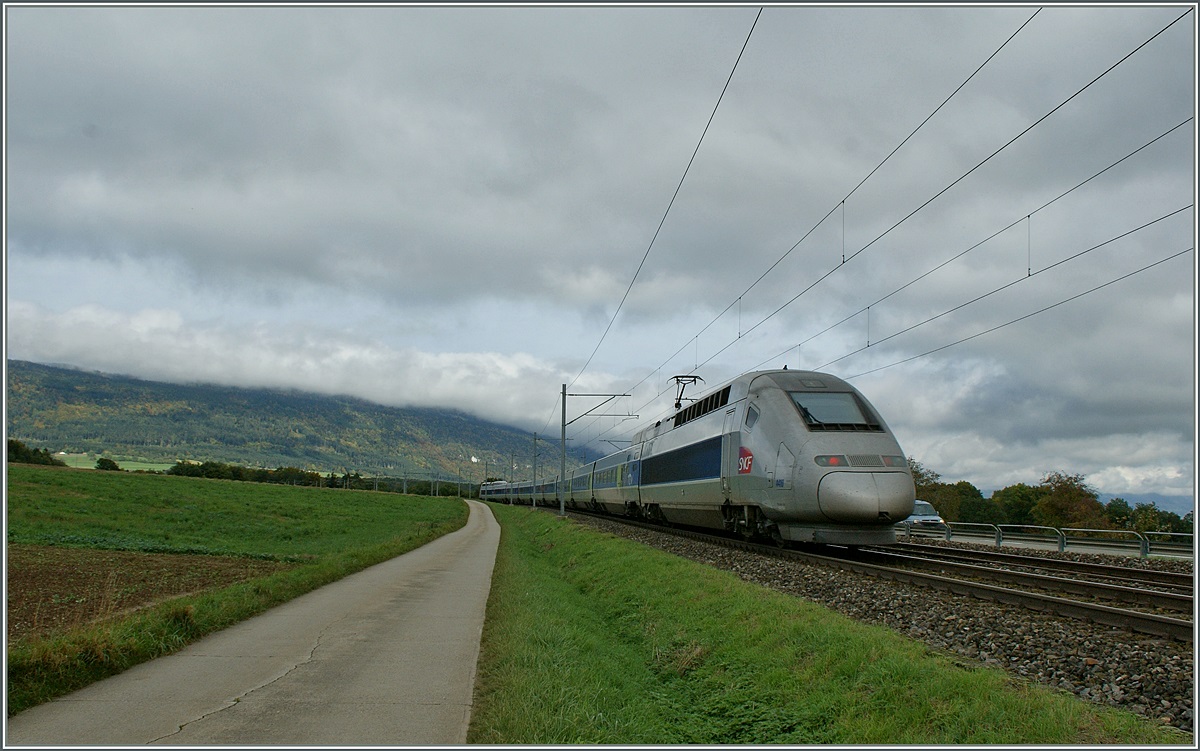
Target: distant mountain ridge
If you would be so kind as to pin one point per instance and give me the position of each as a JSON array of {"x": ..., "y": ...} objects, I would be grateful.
[{"x": 65, "y": 409}]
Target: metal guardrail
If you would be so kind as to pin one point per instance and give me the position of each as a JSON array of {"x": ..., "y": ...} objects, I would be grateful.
[{"x": 1145, "y": 543}]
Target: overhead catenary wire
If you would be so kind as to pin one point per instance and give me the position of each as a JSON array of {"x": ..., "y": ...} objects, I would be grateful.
[
  {"x": 1029, "y": 274},
  {"x": 1024, "y": 317},
  {"x": 661, "y": 221},
  {"x": 743, "y": 332},
  {"x": 1024, "y": 218},
  {"x": 840, "y": 204},
  {"x": 1040, "y": 120},
  {"x": 1013, "y": 283},
  {"x": 1050, "y": 267},
  {"x": 1022, "y": 133},
  {"x": 670, "y": 203},
  {"x": 941, "y": 192}
]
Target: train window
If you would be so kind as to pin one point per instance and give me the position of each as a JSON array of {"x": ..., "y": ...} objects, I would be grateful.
[
  {"x": 751, "y": 417},
  {"x": 711, "y": 403},
  {"x": 832, "y": 411}
]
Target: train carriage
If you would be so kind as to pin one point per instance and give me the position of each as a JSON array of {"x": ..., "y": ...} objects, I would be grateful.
[
  {"x": 792, "y": 455},
  {"x": 579, "y": 487}
]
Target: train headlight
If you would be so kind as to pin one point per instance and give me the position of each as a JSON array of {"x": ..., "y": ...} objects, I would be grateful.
[
  {"x": 894, "y": 461},
  {"x": 831, "y": 460}
]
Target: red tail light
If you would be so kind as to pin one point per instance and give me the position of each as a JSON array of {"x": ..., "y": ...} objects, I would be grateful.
[{"x": 834, "y": 460}]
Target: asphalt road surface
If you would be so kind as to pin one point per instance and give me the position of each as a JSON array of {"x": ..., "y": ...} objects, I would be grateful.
[{"x": 386, "y": 656}]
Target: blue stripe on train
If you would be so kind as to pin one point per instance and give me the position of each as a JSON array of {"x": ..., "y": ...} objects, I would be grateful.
[{"x": 700, "y": 461}]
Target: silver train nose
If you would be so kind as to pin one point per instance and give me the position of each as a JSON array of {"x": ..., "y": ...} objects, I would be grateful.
[{"x": 866, "y": 497}]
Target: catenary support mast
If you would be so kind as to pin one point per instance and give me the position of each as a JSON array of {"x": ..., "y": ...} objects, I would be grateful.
[{"x": 562, "y": 476}]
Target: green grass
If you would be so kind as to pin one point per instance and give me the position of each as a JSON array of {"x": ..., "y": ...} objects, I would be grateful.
[
  {"x": 162, "y": 513},
  {"x": 598, "y": 640},
  {"x": 331, "y": 533}
]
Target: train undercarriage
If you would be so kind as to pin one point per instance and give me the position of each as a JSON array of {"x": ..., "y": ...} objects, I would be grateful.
[{"x": 750, "y": 523}]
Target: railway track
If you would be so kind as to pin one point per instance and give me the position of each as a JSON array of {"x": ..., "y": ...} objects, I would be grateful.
[
  {"x": 1119, "y": 586},
  {"x": 1122, "y": 575},
  {"x": 975, "y": 581}
]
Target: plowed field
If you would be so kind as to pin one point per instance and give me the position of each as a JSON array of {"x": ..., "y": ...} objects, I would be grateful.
[{"x": 55, "y": 588}]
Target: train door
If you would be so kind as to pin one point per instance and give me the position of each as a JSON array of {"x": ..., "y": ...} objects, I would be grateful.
[
  {"x": 730, "y": 446},
  {"x": 785, "y": 465},
  {"x": 631, "y": 476}
]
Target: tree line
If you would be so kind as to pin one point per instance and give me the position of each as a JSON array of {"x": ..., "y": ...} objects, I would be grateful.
[
  {"x": 22, "y": 454},
  {"x": 1061, "y": 500},
  {"x": 223, "y": 471},
  {"x": 296, "y": 476}
]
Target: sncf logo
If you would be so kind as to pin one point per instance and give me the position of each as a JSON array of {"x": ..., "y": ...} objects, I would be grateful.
[{"x": 745, "y": 461}]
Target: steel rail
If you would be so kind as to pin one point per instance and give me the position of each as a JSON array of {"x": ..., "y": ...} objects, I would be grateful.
[
  {"x": 1148, "y": 576},
  {"x": 1173, "y": 601}
]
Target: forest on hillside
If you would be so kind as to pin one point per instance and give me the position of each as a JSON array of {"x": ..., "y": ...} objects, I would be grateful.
[
  {"x": 76, "y": 411},
  {"x": 341, "y": 441}
]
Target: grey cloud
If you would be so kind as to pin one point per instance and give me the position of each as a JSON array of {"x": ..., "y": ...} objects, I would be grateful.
[{"x": 441, "y": 183}]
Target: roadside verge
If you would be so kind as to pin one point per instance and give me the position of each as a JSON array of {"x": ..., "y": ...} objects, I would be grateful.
[{"x": 599, "y": 640}]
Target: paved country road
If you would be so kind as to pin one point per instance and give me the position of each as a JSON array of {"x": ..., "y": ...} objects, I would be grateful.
[{"x": 383, "y": 657}]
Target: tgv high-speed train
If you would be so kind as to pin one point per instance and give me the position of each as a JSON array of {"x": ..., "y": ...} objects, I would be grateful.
[{"x": 786, "y": 454}]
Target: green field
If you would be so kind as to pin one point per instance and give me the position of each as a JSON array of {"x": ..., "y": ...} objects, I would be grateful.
[
  {"x": 328, "y": 533},
  {"x": 596, "y": 639},
  {"x": 576, "y": 649},
  {"x": 163, "y": 513},
  {"x": 88, "y": 461}
]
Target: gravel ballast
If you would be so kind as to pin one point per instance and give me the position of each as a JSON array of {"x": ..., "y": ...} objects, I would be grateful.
[{"x": 1151, "y": 676}]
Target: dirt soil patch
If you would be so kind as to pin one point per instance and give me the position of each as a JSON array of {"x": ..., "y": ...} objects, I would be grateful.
[{"x": 52, "y": 589}]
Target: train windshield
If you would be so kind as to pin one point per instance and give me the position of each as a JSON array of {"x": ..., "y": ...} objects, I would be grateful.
[{"x": 831, "y": 411}]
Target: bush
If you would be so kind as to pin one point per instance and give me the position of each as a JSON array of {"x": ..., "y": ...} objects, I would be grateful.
[{"x": 20, "y": 453}]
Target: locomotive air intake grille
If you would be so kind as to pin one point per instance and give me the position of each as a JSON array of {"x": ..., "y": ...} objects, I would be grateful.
[{"x": 866, "y": 460}]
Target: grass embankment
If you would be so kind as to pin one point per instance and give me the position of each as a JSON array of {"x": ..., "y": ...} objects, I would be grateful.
[
  {"x": 326, "y": 533},
  {"x": 599, "y": 640}
]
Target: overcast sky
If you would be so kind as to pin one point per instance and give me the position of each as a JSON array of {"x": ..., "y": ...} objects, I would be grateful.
[{"x": 444, "y": 206}]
